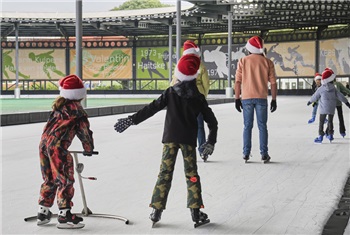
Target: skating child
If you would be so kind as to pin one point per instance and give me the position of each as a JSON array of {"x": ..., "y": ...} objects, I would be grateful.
[
  {"x": 315, "y": 86},
  {"x": 184, "y": 102},
  {"x": 340, "y": 87},
  {"x": 67, "y": 120},
  {"x": 327, "y": 96},
  {"x": 203, "y": 86}
]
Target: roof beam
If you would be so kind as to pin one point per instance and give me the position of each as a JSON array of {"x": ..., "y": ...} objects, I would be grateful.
[
  {"x": 8, "y": 31},
  {"x": 62, "y": 30}
]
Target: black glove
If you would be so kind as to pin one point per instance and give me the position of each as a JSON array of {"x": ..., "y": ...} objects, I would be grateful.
[
  {"x": 123, "y": 124},
  {"x": 314, "y": 103},
  {"x": 308, "y": 103},
  {"x": 208, "y": 149},
  {"x": 347, "y": 104},
  {"x": 238, "y": 103},
  {"x": 273, "y": 106}
]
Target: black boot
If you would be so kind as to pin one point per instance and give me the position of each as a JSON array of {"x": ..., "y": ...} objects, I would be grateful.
[
  {"x": 156, "y": 215},
  {"x": 199, "y": 217}
]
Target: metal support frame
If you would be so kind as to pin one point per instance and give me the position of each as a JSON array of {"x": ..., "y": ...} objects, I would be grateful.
[
  {"x": 86, "y": 211},
  {"x": 229, "y": 89}
]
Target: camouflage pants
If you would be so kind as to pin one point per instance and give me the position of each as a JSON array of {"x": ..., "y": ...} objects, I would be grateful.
[{"x": 162, "y": 187}]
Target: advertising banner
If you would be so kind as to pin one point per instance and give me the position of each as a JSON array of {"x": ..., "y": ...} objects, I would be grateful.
[
  {"x": 154, "y": 62},
  {"x": 292, "y": 58},
  {"x": 104, "y": 63},
  {"x": 335, "y": 54},
  {"x": 215, "y": 59},
  {"x": 34, "y": 64}
]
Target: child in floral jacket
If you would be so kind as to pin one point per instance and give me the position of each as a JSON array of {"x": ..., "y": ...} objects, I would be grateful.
[{"x": 66, "y": 120}]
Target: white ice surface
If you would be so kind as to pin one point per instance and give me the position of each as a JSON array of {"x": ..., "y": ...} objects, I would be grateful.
[{"x": 294, "y": 194}]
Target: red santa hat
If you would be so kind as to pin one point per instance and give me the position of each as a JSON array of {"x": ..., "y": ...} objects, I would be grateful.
[
  {"x": 255, "y": 45},
  {"x": 318, "y": 76},
  {"x": 72, "y": 88},
  {"x": 187, "y": 67},
  {"x": 191, "y": 48},
  {"x": 327, "y": 76}
]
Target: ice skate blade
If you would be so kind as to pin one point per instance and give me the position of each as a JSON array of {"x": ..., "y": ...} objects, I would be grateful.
[
  {"x": 153, "y": 224},
  {"x": 39, "y": 222},
  {"x": 196, "y": 225},
  {"x": 70, "y": 226}
]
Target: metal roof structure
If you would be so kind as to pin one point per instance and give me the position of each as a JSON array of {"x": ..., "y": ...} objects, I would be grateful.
[{"x": 209, "y": 16}]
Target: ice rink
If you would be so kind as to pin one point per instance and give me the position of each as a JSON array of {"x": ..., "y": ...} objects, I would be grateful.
[{"x": 294, "y": 194}]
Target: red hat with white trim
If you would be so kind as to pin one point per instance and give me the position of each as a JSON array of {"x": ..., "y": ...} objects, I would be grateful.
[
  {"x": 191, "y": 48},
  {"x": 318, "y": 76},
  {"x": 187, "y": 67},
  {"x": 327, "y": 76},
  {"x": 72, "y": 88},
  {"x": 255, "y": 45}
]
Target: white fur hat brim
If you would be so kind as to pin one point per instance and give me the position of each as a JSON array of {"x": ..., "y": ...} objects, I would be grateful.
[
  {"x": 319, "y": 77},
  {"x": 195, "y": 51},
  {"x": 73, "y": 94},
  {"x": 183, "y": 77},
  {"x": 329, "y": 79},
  {"x": 253, "y": 49}
]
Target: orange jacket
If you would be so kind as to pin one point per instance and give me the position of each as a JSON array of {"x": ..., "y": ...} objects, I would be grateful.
[{"x": 254, "y": 72}]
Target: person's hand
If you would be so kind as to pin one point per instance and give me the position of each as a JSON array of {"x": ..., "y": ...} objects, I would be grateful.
[
  {"x": 273, "y": 106},
  {"x": 238, "y": 104},
  {"x": 347, "y": 104},
  {"x": 308, "y": 103},
  {"x": 122, "y": 124},
  {"x": 208, "y": 149},
  {"x": 314, "y": 103}
]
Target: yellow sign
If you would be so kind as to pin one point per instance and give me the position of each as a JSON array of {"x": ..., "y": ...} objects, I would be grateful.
[
  {"x": 34, "y": 64},
  {"x": 104, "y": 63}
]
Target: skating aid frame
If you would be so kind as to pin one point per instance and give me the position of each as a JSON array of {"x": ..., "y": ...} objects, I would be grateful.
[{"x": 86, "y": 211}]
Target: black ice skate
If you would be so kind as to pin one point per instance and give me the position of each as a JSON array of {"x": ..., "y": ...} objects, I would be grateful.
[
  {"x": 265, "y": 158},
  {"x": 199, "y": 217},
  {"x": 44, "y": 216},
  {"x": 246, "y": 158},
  {"x": 204, "y": 157},
  {"x": 155, "y": 216},
  {"x": 69, "y": 221}
]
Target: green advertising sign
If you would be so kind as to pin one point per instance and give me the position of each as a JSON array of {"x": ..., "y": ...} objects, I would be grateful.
[{"x": 154, "y": 62}]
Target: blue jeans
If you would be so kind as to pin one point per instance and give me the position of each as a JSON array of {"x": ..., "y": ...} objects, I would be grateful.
[
  {"x": 200, "y": 133},
  {"x": 260, "y": 106}
]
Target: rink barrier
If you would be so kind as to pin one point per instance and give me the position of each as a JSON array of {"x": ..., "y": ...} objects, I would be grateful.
[{"x": 35, "y": 117}]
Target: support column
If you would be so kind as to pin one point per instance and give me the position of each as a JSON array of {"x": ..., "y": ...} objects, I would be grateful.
[
  {"x": 170, "y": 51},
  {"x": 229, "y": 89},
  {"x": 17, "y": 89},
  {"x": 78, "y": 43},
  {"x": 178, "y": 29}
]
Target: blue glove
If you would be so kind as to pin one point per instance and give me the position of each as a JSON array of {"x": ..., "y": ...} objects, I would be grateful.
[
  {"x": 123, "y": 124},
  {"x": 308, "y": 103},
  {"x": 208, "y": 149}
]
